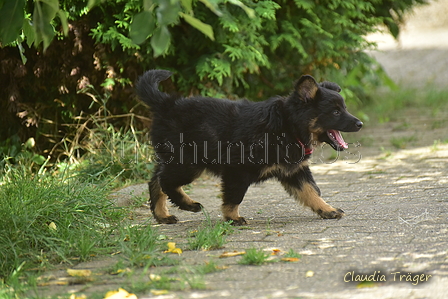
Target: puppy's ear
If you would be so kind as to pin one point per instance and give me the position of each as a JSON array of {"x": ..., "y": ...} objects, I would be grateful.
[
  {"x": 330, "y": 85},
  {"x": 307, "y": 88}
]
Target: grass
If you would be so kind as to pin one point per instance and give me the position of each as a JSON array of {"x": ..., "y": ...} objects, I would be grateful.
[
  {"x": 292, "y": 254},
  {"x": 118, "y": 157},
  {"x": 176, "y": 278},
  {"x": 386, "y": 104},
  {"x": 209, "y": 236},
  {"x": 45, "y": 220},
  {"x": 255, "y": 256},
  {"x": 402, "y": 142},
  {"x": 141, "y": 246}
]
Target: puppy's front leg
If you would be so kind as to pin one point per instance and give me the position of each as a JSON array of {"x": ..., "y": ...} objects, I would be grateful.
[
  {"x": 304, "y": 189},
  {"x": 235, "y": 183}
]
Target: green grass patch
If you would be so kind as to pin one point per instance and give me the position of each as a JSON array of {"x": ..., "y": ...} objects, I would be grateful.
[
  {"x": 255, "y": 256},
  {"x": 402, "y": 142},
  {"x": 386, "y": 104},
  {"x": 46, "y": 221},
  {"x": 141, "y": 246},
  {"x": 292, "y": 254},
  {"x": 210, "y": 235}
]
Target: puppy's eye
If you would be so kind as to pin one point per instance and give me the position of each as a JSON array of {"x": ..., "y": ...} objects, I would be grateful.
[{"x": 336, "y": 112}]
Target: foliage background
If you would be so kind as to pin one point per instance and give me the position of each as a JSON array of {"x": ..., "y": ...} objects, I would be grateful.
[{"x": 82, "y": 58}]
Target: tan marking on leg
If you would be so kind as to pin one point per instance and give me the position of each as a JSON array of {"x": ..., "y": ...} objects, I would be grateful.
[
  {"x": 230, "y": 212},
  {"x": 308, "y": 196},
  {"x": 187, "y": 204},
  {"x": 160, "y": 209},
  {"x": 185, "y": 198}
]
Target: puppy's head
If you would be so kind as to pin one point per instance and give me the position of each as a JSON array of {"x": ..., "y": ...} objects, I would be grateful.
[{"x": 329, "y": 112}]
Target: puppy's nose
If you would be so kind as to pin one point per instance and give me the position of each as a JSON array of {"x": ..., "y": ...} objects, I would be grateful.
[{"x": 358, "y": 124}]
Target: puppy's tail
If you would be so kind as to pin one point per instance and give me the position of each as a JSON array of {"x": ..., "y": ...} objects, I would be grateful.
[{"x": 148, "y": 88}]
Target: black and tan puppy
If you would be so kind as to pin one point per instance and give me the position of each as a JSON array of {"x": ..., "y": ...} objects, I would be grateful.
[{"x": 242, "y": 142}]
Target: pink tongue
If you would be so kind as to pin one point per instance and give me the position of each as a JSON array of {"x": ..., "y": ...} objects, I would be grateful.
[{"x": 337, "y": 135}]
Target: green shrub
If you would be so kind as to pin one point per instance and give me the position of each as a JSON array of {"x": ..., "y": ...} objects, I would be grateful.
[{"x": 226, "y": 48}]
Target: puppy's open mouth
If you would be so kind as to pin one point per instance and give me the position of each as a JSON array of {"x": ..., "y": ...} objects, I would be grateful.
[{"x": 337, "y": 140}]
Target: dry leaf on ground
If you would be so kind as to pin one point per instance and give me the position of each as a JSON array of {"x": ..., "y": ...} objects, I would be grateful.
[
  {"x": 232, "y": 253},
  {"x": 79, "y": 273},
  {"x": 309, "y": 273},
  {"x": 159, "y": 292},
  {"x": 172, "y": 248},
  {"x": 119, "y": 294},
  {"x": 290, "y": 259}
]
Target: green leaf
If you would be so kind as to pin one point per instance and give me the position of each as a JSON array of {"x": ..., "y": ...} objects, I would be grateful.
[
  {"x": 28, "y": 31},
  {"x": 213, "y": 6},
  {"x": 199, "y": 25},
  {"x": 160, "y": 41},
  {"x": 393, "y": 28},
  {"x": 30, "y": 143},
  {"x": 22, "y": 53},
  {"x": 64, "y": 21},
  {"x": 187, "y": 5},
  {"x": 51, "y": 7},
  {"x": 38, "y": 159},
  {"x": 305, "y": 4},
  {"x": 167, "y": 12},
  {"x": 249, "y": 11},
  {"x": 44, "y": 13},
  {"x": 142, "y": 26},
  {"x": 11, "y": 20},
  {"x": 93, "y": 3},
  {"x": 147, "y": 5}
]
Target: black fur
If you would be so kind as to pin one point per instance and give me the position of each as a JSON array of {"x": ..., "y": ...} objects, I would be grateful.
[{"x": 243, "y": 142}]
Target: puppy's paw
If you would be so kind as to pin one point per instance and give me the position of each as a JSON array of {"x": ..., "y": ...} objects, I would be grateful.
[
  {"x": 334, "y": 214},
  {"x": 170, "y": 219},
  {"x": 238, "y": 221},
  {"x": 192, "y": 207}
]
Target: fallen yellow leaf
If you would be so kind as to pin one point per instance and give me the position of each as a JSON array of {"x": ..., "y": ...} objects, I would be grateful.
[
  {"x": 53, "y": 283},
  {"x": 159, "y": 292},
  {"x": 155, "y": 277},
  {"x": 172, "y": 248},
  {"x": 73, "y": 296},
  {"x": 52, "y": 226},
  {"x": 79, "y": 273},
  {"x": 232, "y": 253},
  {"x": 309, "y": 273},
  {"x": 119, "y": 271},
  {"x": 120, "y": 294},
  {"x": 290, "y": 259}
]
